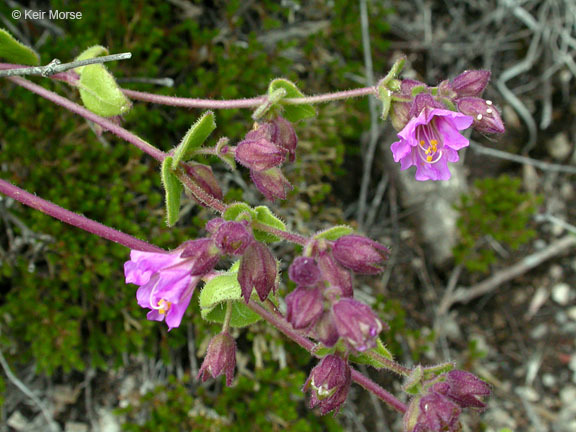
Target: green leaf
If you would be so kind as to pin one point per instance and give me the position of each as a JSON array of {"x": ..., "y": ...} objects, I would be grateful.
[
  {"x": 292, "y": 113},
  {"x": 365, "y": 358},
  {"x": 334, "y": 233},
  {"x": 89, "y": 53},
  {"x": 194, "y": 138},
  {"x": 173, "y": 190},
  {"x": 238, "y": 211},
  {"x": 266, "y": 217},
  {"x": 100, "y": 92},
  {"x": 216, "y": 294},
  {"x": 16, "y": 52}
]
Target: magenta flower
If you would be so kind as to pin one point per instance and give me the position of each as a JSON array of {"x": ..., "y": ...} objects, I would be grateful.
[
  {"x": 431, "y": 140},
  {"x": 166, "y": 284},
  {"x": 167, "y": 279}
]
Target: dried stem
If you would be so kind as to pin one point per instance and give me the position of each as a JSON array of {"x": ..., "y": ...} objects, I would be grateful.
[{"x": 55, "y": 66}]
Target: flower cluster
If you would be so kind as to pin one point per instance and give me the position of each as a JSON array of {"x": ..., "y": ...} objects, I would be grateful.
[
  {"x": 323, "y": 303},
  {"x": 430, "y": 121},
  {"x": 440, "y": 404},
  {"x": 168, "y": 279},
  {"x": 264, "y": 150}
]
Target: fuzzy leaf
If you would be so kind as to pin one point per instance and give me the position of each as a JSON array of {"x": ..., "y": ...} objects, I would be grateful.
[
  {"x": 16, "y": 52},
  {"x": 100, "y": 92},
  {"x": 334, "y": 233},
  {"x": 93, "y": 51},
  {"x": 266, "y": 217},
  {"x": 215, "y": 295},
  {"x": 238, "y": 211},
  {"x": 194, "y": 138},
  {"x": 292, "y": 113},
  {"x": 173, "y": 191},
  {"x": 365, "y": 358}
]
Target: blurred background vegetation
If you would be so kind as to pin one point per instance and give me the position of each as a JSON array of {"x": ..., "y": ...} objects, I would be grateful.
[{"x": 69, "y": 325}]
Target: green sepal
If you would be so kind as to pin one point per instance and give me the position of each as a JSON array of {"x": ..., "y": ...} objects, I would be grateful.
[
  {"x": 15, "y": 51},
  {"x": 239, "y": 211},
  {"x": 227, "y": 158},
  {"x": 392, "y": 73},
  {"x": 334, "y": 233},
  {"x": 292, "y": 113},
  {"x": 173, "y": 192},
  {"x": 431, "y": 372},
  {"x": 93, "y": 51},
  {"x": 270, "y": 104},
  {"x": 365, "y": 358},
  {"x": 216, "y": 294},
  {"x": 321, "y": 350},
  {"x": 418, "y": 89},
  {"x": 413, "y": 383},
  {"x": 266, "y": 217},
  {"x": 194, "y": 138},
  {"x": 386, "y": 98},
  {"x": 100, "y": 92}
]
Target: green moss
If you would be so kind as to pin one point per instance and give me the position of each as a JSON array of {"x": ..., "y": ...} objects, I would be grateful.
[{"x": 495, "y": 207}]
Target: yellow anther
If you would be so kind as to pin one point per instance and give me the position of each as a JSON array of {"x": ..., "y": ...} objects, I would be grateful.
[
  {"x": 164, "y": 306},
  {"x": 422, "y": 142},
  {"x": 429, "y": 158}
]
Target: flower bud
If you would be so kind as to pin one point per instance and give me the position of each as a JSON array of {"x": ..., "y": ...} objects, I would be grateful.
[
  {"x": 325, "y": 330},
  {"x": 213, "y": 224},
  {"x": 360, "y": 254},
  {"x": 423, "y": 101},
  {"x": 204, "y": 178},
  {"x": 271, "y": 183},
  {"x": 400, "y": 110},
  {"x": 304, "y": 271},
  {"x": 338, "y": 277},
  {"x": 220, "y": 358},
  {"x": 430, "y": 413},
  {"x": 258, "y": 270},
  {"x": 464, "y": 388},
  {"x": 356, "y": 323},
  {"x": 304, "y": 307},
  {"x": 471, "y": 83},
  {"x": 233, "y": 237},
  {"x": 486, "y": 117},
  {"x": 202, "y": 253},
  {"x": 328, "y": 384},
  {"x": 284, "y": 136},
  {"x": 259, "y": 155}
]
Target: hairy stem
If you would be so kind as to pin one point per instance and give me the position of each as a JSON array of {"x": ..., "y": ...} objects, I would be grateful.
[
  {"x": 75, "y": 219},
  {"x": 286, "y": 235},
  {"x": 83, "y": 112},
  {"x": 245, "y": 103}
]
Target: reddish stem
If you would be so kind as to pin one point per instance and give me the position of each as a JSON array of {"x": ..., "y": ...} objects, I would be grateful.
[{"x": 75, "y": 219}]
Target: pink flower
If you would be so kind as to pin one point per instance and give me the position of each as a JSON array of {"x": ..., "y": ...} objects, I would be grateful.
[
  {"x": 167, "y": 280},
  {"x": 431, "y": 140}
]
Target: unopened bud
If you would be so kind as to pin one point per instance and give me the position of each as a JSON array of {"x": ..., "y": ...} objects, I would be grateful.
[
  {"x": 486, "y": 117},
  {"x": 258, "y": 270},
  {"x": 271, "y": 183},
  {"x": 220, "y": 358},
  {"x": 356, "y": 323},
  {"x": 328, "y": 383},
  {"x": 233, "y": 237},
  {"x": 304, "y": 271},
  {"x": 360, "y": 254},
  {"x": 304, "y": 307},
  {"x": 471, "y": 83}
]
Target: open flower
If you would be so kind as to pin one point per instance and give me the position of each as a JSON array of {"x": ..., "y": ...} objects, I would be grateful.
[
  {"x": 167, "y": 279},
  {"x": 431, "y": 140}
]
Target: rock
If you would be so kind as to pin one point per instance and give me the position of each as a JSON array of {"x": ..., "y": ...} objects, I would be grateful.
[
  {"x": 561, "y": 293},
  {"x": 572, "y": 313},
  {"x": 559, "y": 146},
  {"x": 76, "y": 427}
]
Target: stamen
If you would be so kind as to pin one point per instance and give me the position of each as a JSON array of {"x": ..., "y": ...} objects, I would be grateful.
[
  {"x": 479, "y": 117},
  {"x": 489, "y": 111},
  {"x": 488, "y": 102}
]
